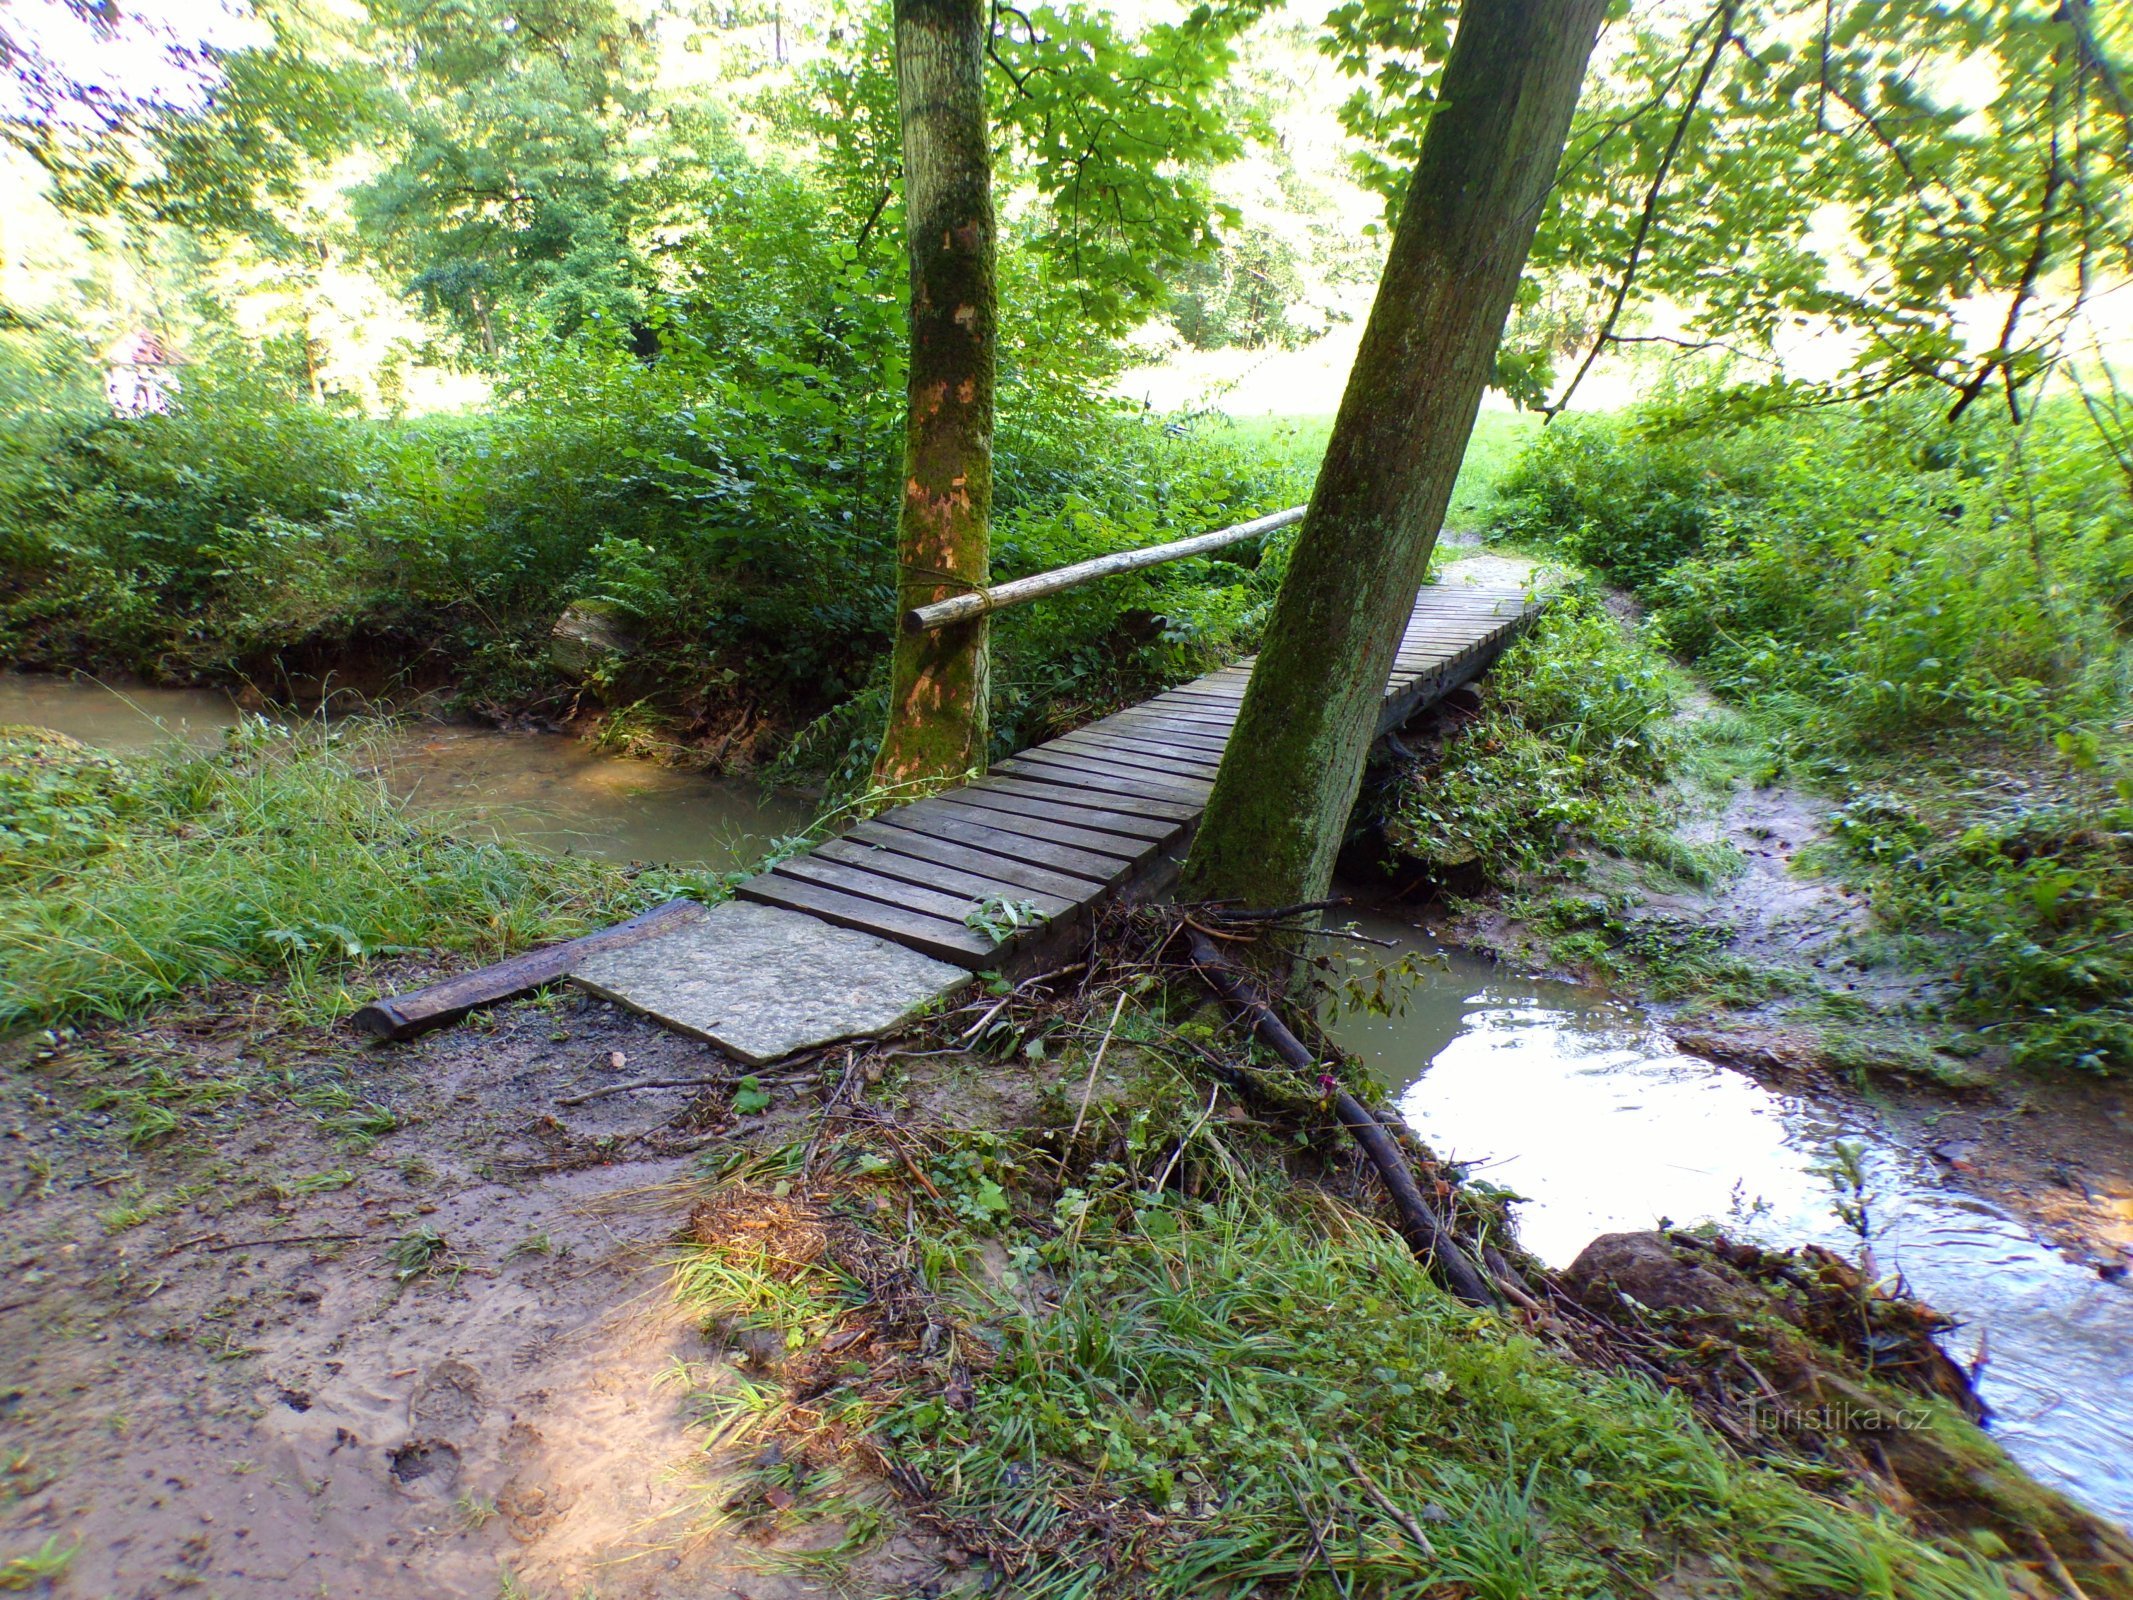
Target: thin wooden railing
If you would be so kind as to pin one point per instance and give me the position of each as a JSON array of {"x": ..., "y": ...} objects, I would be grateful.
[{"x": 1020, "y": 591}]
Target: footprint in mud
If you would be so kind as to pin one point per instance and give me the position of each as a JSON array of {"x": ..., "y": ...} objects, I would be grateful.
[
  {"x": 427, "y": 1466},
  {"x": 448, "y": 1403},
  {"x": 534, "y": 1498}
]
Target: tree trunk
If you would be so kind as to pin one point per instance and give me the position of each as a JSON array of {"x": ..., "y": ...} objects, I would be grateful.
[
  {"x": 1289, "y": 778},
  {"x": 938, "y": 688}
]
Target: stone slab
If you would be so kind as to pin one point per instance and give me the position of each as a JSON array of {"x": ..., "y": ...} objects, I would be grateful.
[{"x": 760, "y": 982}]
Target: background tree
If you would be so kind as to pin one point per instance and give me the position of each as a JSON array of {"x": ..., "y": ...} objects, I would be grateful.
[
  {"x": 1486, "y": 161},
  {"x": 511, "y": 184},
  {"x": 939, "y": 691}
]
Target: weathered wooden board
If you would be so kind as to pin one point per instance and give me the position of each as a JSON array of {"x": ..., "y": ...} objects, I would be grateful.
[{"x": 402, "y": 1016}]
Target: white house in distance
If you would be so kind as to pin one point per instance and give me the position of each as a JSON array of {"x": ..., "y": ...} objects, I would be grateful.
[{"x": 140, "y": 375}]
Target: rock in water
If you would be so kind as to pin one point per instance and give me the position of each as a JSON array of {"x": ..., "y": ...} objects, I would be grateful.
[{"x": 588, "y": 635}]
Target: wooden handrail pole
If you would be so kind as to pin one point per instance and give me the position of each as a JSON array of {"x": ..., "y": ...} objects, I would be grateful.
[{"x": 962, "y": 607}]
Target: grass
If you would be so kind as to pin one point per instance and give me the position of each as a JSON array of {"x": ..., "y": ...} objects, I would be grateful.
[
  {"x": 1258, "y": 1391},
  {"x": 281, "y": 858},
  {"x": 44, "y": 1565},
  {"x": 1498, "y": 439}
]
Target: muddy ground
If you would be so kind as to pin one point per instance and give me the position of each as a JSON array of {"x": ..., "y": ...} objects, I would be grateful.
[{"x": 378, "y": 1321}]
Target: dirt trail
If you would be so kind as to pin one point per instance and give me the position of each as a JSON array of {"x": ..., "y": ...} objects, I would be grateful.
[{"x": 245, "y": 1395}]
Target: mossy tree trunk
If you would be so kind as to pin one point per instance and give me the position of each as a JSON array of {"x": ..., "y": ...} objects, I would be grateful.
[
  {"x": 1289, "y": 778},
  {"x": 939, "y": 683}
]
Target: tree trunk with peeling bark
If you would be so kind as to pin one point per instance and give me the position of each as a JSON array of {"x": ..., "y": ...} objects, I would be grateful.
[
  {"x": 939, "y": 684},
  {"x": 1294, "y": 763}
]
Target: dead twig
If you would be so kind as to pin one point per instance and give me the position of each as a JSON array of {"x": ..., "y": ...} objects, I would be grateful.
[
  {"x": 1402, "y": 1519},
  {"x": 591, "y": 1095},
  {"x": 1089, "y": 1088},
  {"x": 1425, "y": 1232}
]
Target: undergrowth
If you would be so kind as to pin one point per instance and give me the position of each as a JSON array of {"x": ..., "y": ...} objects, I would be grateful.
[
  {"x": 1233, "y": 1385},
  {"x": 1570, "y": 749},
  {"x": 1927, "y": 623},
  {"x": 281, "y": 857}
]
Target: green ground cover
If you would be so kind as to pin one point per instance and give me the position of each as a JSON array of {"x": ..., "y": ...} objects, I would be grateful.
[
  {"x": 1925, "y": 622},
  {"x": 281, "y": 859},
  {"x": 1499, "y": 437},
  {"x": 1228, "y": 1384}
]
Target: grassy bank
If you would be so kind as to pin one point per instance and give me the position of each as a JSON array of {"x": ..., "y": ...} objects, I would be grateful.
[
  {"x": 1923, "y": 624},
  {"x": 280, "y": 859},
  {"x": 1499, "y": 438},
  {"x": 1141, "y": 1342}
]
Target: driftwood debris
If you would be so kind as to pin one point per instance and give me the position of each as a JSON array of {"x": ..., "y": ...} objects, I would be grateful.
[
  {"x": 1420, "y": 1225},
  {"x": 402, "y": 1016}
]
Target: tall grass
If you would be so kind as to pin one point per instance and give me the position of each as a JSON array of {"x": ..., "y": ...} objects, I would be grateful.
[
  {"x": 1225, "y": 1398},
  {"x": 281, "y": 857}
]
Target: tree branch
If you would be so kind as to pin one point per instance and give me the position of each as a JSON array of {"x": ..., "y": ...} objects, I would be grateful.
[{"x": 1650, "y": 214}]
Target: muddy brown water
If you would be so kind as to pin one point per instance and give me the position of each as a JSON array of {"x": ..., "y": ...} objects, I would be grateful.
[
  {"x": 1586, "y": 1108},
  {"x": 535, "y": 788}
]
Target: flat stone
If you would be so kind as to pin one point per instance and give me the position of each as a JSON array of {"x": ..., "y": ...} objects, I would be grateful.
[{"x": 761, "y": 982}]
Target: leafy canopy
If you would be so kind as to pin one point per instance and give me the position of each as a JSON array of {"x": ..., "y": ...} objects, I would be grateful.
[{"x": 1879, "y": 168}]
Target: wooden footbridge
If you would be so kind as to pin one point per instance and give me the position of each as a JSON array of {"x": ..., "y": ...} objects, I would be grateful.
[
  {"x": 1067, "y": 825},
  {"x": 992, "y": 875}
]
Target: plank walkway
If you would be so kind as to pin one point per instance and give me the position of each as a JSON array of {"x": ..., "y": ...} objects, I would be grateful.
[{"x": 1068, "y": 825}]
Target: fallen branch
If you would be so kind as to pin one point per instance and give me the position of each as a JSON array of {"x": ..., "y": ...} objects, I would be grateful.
[{"x": 1424, "y": 1231}]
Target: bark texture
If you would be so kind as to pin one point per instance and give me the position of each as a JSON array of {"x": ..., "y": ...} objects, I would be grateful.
[
  {"x": 1289, "y": 778},
  {"x": 938, "y": 688}
]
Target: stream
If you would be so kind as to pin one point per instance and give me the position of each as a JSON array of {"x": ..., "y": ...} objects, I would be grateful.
[
  {"x": 1585, "y": 1107},
  {"x": 546, "y": 789},
  {"x": 1577, "y": 1102}
]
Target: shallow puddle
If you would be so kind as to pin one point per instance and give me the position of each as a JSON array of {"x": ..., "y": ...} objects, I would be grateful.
[
  {"x": 1587, "y": 1109},
  {"x": 538, "y": 788}
]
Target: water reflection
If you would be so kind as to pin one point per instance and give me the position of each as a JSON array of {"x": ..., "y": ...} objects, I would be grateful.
[
  {"x": 1580, "y": 1105},
  {"x": 538, "y": 788}
]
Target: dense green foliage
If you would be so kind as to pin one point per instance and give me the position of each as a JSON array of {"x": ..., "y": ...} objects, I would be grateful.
[
  {"x": 1568, "y": 747},
  {"x": 125, "y": 882},
  {"x": 1873, "y": 169},
  {"x": 697, "y": 339},
  {"x": 1929, "y": 622},
  {"x": 733, "y": 503},
  {"x": 1879, "y": 570}
]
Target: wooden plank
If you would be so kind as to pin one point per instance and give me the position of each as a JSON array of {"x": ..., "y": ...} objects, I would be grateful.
[
  {"x": 1209, "y": 747},
  {"x": 871, "y": 885},
  {"x": 1158, "y": 818},
  {"x": 933, "y": 936},
  {"x": 876, "y": 843},
  {"x": 1155, "y": 725},
  {"x": 1081, "y": 770},
  {"x": 1191, "y": 719},
  {"x": 950, "y": 825},
  {"x": 1119, "y": 752},
  {"x": 402, "y": 1016},
  {"x": 965, "y": 889},
  {"x": 1067, "y": 824}
]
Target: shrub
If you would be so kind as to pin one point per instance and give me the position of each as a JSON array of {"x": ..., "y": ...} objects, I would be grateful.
[
  {"x": 1902, "y": 604},
  {"x": 1569, "y": 747},
  {"x": 738, "y": 511},
  {"x": 1889, "y": 570}
]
